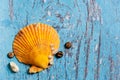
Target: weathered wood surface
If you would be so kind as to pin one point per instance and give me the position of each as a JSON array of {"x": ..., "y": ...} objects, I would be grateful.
[{"x": 93, "y": 27}]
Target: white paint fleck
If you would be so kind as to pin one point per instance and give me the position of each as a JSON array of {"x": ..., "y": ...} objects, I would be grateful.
[
  {"x": 49, "y": 13},
  {"x": 93, "y": 18},
  {"x": 74, "y": 67},
  {"x": 53, "y": 77},
  {"x": 96, "y": 47},
  {"x": 44, "y": 1},
  {"x": 101, "y": 60},
  {"x": 97, "y": 18},
  {"x": 56, "y": 13},
  {"x": 73, "y": 46},
  {"x": 71, "y": 35},
  {"x": 116, "y": 37},
  {"x": 48, "y": 20},
  {"x": 67, "y": 17}
]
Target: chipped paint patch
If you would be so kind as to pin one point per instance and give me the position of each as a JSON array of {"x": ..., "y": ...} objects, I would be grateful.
[
  {"x": 11, "y": 9},
  {"x": 96, "y": 47},
  {"x": 94, "y": 11}
]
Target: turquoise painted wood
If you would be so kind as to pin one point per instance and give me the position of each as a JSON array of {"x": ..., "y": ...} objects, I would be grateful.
[{"x": 93, "y": 27}]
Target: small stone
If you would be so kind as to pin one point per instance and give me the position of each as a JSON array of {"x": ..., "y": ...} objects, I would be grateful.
[
  {"x": 59, "y": 54},
  {"x": 14, "y": 67},
  {"x": 10, "y": 55},
  {"x": 68, "y": 45}
]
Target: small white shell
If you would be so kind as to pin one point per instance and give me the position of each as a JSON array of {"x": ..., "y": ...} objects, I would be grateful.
[
  {"x": 51, "y": 62},
  {"x": 52, "y": 48},
  {"x": 54, "y": 52},
  {"x": 14, "y": 67},
  {"x": 50, "y": 57}
]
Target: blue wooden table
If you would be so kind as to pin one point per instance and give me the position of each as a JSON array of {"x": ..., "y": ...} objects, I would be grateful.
[{"x": 93, "y": 27}]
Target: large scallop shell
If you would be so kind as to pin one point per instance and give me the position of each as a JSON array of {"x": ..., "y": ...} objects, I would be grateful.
[{"x": 35, "y": 43}]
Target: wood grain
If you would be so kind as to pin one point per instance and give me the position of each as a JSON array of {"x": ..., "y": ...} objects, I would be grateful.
[{"x": 92, "y": 26}]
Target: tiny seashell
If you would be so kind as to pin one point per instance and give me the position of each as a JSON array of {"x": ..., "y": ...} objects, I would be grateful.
[
  {"x": 51, "y": 62},
  {"x": 50, "y": 57},
  {"x": 14, "y": 67},
  {"x": 52, "y": 48},
  {"x": 54, "y": 52}
]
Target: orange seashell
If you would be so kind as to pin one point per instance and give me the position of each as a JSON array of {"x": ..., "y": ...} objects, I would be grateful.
[{"x": 34, "y": 44}]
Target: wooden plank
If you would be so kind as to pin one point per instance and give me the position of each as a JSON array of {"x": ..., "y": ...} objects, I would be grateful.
[{"x": 91, "y": 25}]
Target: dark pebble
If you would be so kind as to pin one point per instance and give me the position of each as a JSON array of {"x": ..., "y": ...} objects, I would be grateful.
[
  {"x": 68, "y": 45},
  {"x": 10, "y": 55},
  {"x": 59, "y": 54}
]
